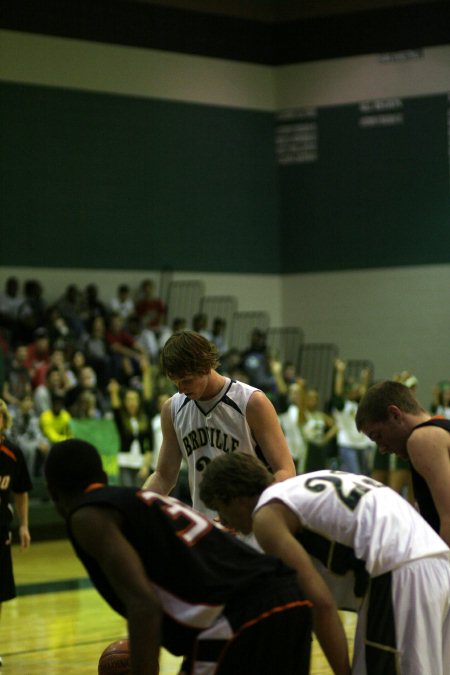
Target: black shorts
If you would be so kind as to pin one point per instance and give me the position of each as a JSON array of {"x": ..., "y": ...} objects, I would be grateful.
[
  {"x": 263, "y": 636},
  {"x": 7, "y": 585}
]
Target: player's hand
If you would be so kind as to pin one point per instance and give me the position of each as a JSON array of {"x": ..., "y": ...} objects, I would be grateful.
[{"x": 24, "y": 535}]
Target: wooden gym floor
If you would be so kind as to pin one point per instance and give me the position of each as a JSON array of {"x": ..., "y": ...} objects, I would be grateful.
[{"x": 59, "y": 625}]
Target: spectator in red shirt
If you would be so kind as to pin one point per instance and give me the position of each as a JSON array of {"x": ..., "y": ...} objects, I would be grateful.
[
  {"x": 150, "y": 309},
  {"x": 38, "y": 357},
  {"x": 124, "y": 349}
]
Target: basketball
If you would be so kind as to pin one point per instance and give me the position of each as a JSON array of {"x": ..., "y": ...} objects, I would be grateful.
[{"x": 115, "y": 659}]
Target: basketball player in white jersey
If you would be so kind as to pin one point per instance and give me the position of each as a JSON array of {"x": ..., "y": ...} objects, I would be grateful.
[
  {"x": 209, "y": 416},
  {"x": 349, "y": 524}
]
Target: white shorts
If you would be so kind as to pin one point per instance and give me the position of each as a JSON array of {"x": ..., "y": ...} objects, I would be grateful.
[{"x": 404, "y": 622}]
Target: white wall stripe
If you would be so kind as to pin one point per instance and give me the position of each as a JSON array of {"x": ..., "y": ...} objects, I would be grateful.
[{"x": 75, "y": 64}]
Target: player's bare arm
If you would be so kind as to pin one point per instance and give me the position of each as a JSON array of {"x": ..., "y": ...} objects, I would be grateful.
[
  {"x": 266, "y": 429},
  {"x": 275, "y": 526},
  {"x": 21, "y": 502},
  {"x": 97, "y": 531},
  {"x": 429, "y": 452},
  {"x": 164, "y": 478}
]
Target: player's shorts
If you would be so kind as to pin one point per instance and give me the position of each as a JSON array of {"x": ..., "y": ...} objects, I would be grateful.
[
  {"x": 264, "y": 634},
  {"x": 7, "y": 585},
  {"x": 404, "y": 622}
]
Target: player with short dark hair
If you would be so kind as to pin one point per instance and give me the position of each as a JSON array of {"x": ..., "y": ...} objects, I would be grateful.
[
  {"x": 181, "y": 581},
  {"x": 390, "y": 415},
  {"x": 353, "y": 528}
]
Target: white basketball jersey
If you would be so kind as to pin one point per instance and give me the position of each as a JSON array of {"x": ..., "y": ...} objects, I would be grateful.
[
  {"x": 379, "y": 525},
  {"x": 205, "y": 429}
]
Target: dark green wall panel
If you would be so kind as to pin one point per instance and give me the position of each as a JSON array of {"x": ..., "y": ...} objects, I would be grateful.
[
  {"x": 102, "y": 181},
  {"x": 378, "y": 195}
]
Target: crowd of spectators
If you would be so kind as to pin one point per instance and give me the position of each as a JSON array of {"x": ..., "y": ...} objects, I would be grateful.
[
  {"x": 59, "y": 361},
  {"x": 82, "y": 357}
]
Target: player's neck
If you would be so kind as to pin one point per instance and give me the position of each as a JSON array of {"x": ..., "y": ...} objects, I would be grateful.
[
  {"x": 417, "y": 418},
  {"x": 215, "y": 384}
]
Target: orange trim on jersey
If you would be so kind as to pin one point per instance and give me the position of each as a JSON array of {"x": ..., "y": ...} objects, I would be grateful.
[
  {"x": 275, "y": 610},
  {"x": 438, "y": 417},
  {"x": 261, "y": 617},
  {"x": 94, "y": 486},
  {"x": 8, "y": 452}
]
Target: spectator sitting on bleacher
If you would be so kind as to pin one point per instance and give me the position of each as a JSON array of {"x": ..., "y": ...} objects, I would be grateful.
[
  {"x": 91, "y": 306},
  {"x": 122, "y": 303},
  {"x": 57, "y": 360},
  {"x": 55, "y": 424},
  {"x": 74, "y": 367},
  {"x": 54, "y": 384},
  {"x": 149, "y": 308},
  {"x": 265, "y": 371},
  {"x": 31, "y": 313},
  {"x": 147, "y": 339},
  {"x": 26, "y": 433},
  {"x": 125, "y": 351},
  {"x": 132, "y": 416},
  {"x": 85, "y": 407},
  {"x": 144, "y": 338},
  {"x": 289, "y": 373},
  {"x": 318, "y": 429},
  {"x": 254, "y": 360},
  {"x": 58, "y": 328},
  {"x": 218, "y": 335},
  {"x": 440, "y": 404},
  {"x": 38, "y": 356},
  {"x": 200, "y": 325},
  {"x": 17, "y": 378},
  {"x": 96, "y": 350},
  {"x": 290, "y": 424},
  {"x": 69, "y": 307},
  {"x": 164, "y": 332},
  {"x": 354, "y": 448},
  {"x": 230, "y": 362},
  {"x": 86, "y": 384}
]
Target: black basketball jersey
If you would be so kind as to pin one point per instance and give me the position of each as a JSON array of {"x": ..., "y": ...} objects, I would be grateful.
[
  {"x": 197, "y": 570},
  {"x": 14, "y": 477},
  {"x": 422, "y": 492}
]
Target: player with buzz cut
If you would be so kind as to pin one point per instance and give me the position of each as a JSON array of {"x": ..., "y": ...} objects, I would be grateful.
[
  {"x": 212, "y": 415},
  {"x": 181, "y": 580},
  {"x": 348, "y": 524}
]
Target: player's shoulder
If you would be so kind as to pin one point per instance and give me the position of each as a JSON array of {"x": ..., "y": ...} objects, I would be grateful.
[
  {"x": 9, "y": 449},
  {"x": 175, "y": 403},
  {"x": 239, "y": 386},
  {"x": 427, "y": 446},
  {"x": 429, "y": 433}
]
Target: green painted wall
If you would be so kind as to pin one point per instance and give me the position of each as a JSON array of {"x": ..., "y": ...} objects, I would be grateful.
[
  {"x": 378, "y": 194},
  {"x": 103, "y": 181}
]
